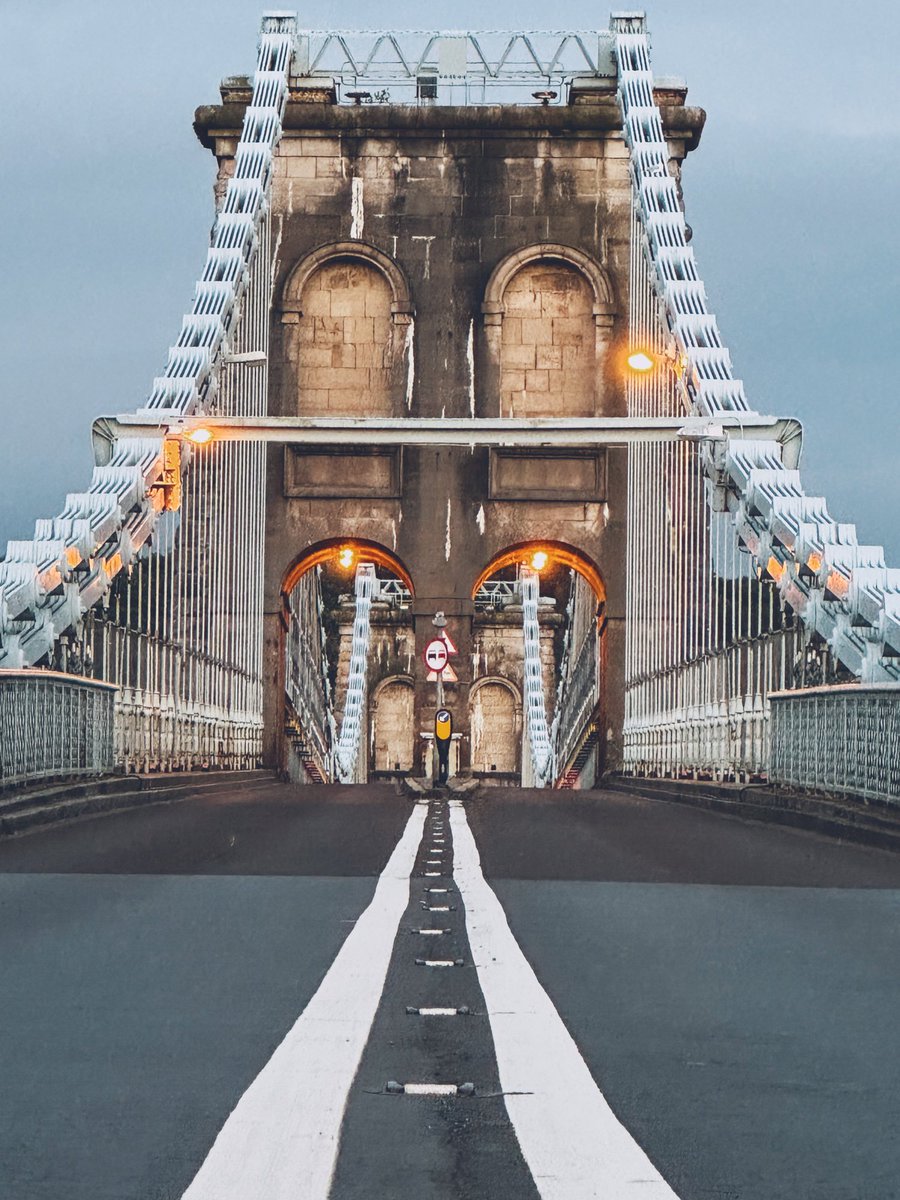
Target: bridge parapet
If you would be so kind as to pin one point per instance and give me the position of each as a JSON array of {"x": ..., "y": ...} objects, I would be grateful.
[
  {"x": 54, "y": 725},
  {"x": 842, "y": 740}
]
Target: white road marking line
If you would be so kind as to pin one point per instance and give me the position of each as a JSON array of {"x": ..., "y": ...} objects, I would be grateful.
[
  {"x": 436, "y": 962},
  {"x": 438, "y": 1012},
  {"x": 430, "y": 932},
  {"x": 575, "y": 1147},
  {"x": 436, "y": 890},
  {"x": 431, "y": 1089},
  {"x": 281, "y": 1141},
  {"x": 439, "y": 908}
]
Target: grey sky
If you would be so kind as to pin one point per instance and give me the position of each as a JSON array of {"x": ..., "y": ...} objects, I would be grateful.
[{"x": 105, "y": 207}]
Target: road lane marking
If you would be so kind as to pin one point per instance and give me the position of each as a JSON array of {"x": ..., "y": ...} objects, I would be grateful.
[
  {"x": 575, "y": 1147},
  {"x": 281, "y": 1141},
  {"x": 431, "y": 1089}
]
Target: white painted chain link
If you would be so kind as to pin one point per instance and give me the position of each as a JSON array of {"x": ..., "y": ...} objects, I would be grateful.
[
  {"x": 47, "y": 583},
  {"x": 347, "y": 749},
  {"x": 841, "y": 590},
  {"x": 539, "y": 737}
]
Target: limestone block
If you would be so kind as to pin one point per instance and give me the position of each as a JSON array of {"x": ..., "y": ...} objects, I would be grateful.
[
  {"x": 318, "y": 356},
  {"x": 569, "y": 331},
  {"x": 301, "y": 168},
  {"x": 536, "y": 331},
  {"x": 348, "y": 302},
  {"x": 512, "y": 331},
  {"x": 549, "y": 357},
  {"x": 512, "y": 381},
  {"x": 518, "y": 356},
  {"x": 316, "y": 301},
  {"x": 359, "y": 330},
  {"x": 537, "y": 381},
  {"x": 321, "y": 147}
]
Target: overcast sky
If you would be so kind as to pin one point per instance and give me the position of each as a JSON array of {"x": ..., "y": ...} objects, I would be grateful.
[{"x": 106, "y": 203}]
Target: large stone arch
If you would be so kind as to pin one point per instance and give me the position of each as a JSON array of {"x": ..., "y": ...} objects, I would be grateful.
[
  {"x": 548, "y": 315},
  {"x": 347, "y": 311},
  {"x": 562, "y": 552},
  {"x": 363, "y": 549}
]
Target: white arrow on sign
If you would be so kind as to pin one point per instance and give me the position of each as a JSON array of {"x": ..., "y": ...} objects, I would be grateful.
[{"x": 436, "y": 655}]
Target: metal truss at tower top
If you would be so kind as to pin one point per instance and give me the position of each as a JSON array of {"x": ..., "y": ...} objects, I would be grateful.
[{"x": 453, "y": 66}]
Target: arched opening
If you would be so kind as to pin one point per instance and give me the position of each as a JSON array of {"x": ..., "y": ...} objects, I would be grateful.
[
  {"x": 392, "y": 725},
  {"x": 548, "y": 317},
  {"x": 347, "y": 311},
  {"x": 548, "y": 357},
  {"x": 495, "y": 722},
  {"x": 345, "y": 554},
  {"x": 555, "y": 554},
  {"x": 319, "y": 640},
  {"x": 568, "y": 658}
]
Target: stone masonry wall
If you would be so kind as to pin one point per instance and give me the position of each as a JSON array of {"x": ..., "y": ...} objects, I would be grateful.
[{"x": 440, "y": 201}]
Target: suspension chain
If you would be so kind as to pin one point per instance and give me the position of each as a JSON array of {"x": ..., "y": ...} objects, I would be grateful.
[
  {"x": 347, "y": 749},
  {"x": 840, "y": 589},
  {"x": 539, "y": 736},
  {"x": 47, "y": 583}
]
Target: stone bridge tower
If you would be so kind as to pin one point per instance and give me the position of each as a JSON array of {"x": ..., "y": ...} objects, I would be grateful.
[{"x": 448, "y": 262}]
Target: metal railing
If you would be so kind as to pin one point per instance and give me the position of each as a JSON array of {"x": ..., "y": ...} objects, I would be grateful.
[
  {"x": 579, "y": 699},
  {"x": 54, "y": 725},
  {"x": 842, "y": 740}
]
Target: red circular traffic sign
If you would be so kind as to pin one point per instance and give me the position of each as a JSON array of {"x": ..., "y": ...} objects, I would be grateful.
[{"x": 436, "y": 655}]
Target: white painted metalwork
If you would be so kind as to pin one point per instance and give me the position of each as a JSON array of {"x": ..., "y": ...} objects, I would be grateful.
[
  {"x": 309, "y": 721},
  {"x": 721, "y": 534},
  {"x": 539, "y": 735},
  {"x": 497, "y": 593},
  {"x": 53, "y": 725},
  {"x": 578, "y": 692},
  {"x": 790, "y": 535},
  {"x": 347, "y": 749},
  {"x": 166, "y": 603},
  {"x": 843, "y": 741},
  {"x": 461, "y": 431},
  {"x": 394, "y": 592},
  {"x": 453, "y": 66}
]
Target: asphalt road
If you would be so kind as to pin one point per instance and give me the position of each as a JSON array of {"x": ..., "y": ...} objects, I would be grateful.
[{"x": 732, "y": 988}]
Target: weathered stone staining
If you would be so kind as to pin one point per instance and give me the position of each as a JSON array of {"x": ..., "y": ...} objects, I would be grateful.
[{"x": 448, "y": 262}]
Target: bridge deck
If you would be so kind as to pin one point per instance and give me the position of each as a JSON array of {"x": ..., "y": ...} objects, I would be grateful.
[{"x": 155, "y": 959}]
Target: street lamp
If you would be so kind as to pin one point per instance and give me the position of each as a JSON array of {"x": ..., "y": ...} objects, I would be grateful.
[
  {"x": 639, "y": 361},
  {"x": 199, "y": 436}
]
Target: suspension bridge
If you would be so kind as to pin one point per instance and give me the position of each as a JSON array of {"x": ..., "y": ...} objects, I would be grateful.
[
  {"x": 447, "y": 470},
  {"x": 408, "y": 353}
]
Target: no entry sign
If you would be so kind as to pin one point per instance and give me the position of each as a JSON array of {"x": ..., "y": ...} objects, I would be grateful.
[{"x": 436, "y": 655}]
